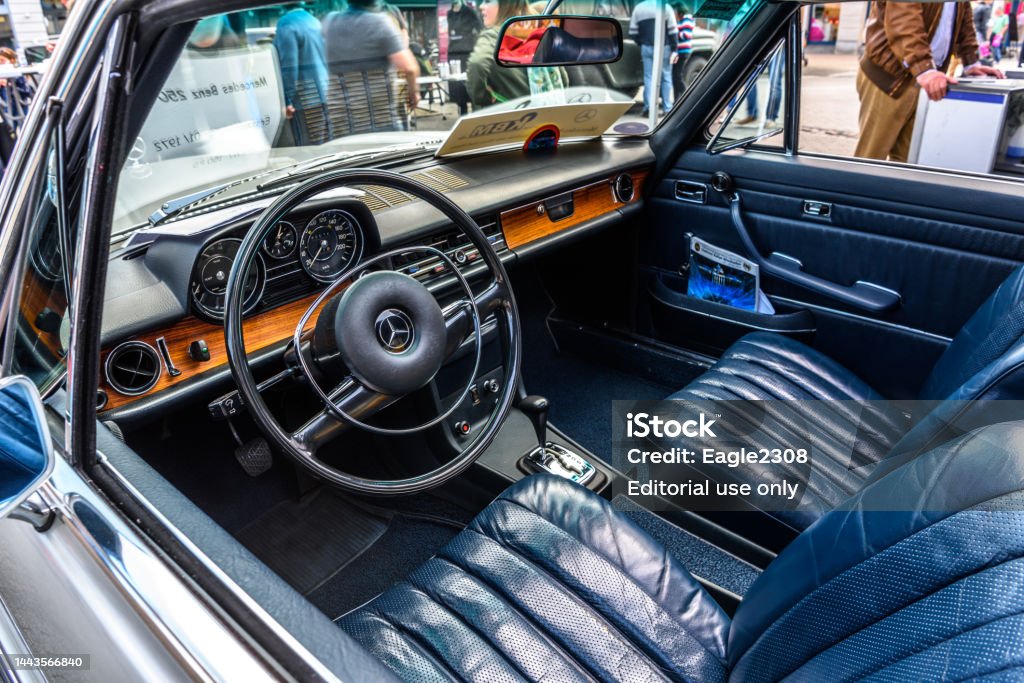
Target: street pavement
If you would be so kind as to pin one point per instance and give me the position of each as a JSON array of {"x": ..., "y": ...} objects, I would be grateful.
[{"x": 829, "y": 104}]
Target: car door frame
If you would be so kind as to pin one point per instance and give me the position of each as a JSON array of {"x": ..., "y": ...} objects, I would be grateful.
[
  {"x": 687, "y": 133},
  {"x": 109, "y": 587}
]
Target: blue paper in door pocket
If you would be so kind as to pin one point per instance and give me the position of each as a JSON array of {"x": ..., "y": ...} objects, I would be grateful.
[{"x": 721, "y": 276}]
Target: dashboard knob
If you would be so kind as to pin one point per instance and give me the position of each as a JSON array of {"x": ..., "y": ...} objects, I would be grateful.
[
  {"x": 199, "y": 351},
  {"x": 491, "y": 386}
]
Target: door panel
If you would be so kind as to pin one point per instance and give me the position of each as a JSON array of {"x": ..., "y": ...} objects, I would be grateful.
[{"x": 944, "y": 243}]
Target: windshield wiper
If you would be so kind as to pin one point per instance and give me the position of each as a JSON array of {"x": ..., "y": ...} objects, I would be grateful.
[{"x": 173, "y": 207}]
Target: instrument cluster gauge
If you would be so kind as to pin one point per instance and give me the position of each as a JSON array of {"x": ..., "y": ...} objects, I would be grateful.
[
  {"x": 210, "y": 279},
  {"x": 280, "y": 243},
  {"x": 330, "y": 243}
]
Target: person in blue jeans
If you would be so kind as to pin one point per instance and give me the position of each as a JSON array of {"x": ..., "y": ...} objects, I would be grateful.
[
  {"x": 774, "y": 94},
  {"x": 775, "y": 88},
  {"x": 642, "y": 27},
  {"x": 650, "y": 92}
]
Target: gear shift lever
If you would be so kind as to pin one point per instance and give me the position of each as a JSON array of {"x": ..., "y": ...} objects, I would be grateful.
[
  {"x": 536, "y": 408},
  {"x": 550, "y": 456}
]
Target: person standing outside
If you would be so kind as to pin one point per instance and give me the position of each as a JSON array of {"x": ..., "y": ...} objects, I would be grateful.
[
  {"x": 684, "y": 47},
  {"x": 487, "y": 82},
  {"x": 364, "y": 39},
  {"x": 908, "y": 46},
  {"x": 464, "y": 25},
  {"x": 982, "y": 13},
  {"x": 398, "y": 17},
  {"x": 300, "y": 51},
  {"x": 642, "y": 28},
  {"x": 997, "y": 34}
]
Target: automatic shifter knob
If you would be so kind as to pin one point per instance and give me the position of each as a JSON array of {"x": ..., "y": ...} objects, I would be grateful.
[{"x": 536, "y": 408}]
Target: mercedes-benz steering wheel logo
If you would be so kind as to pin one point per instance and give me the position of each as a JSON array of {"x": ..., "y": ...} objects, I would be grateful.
[{"x": 394, "y": 330}]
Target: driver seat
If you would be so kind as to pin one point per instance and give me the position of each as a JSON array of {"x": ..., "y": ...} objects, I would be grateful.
[{"x": 910, "y": 579}]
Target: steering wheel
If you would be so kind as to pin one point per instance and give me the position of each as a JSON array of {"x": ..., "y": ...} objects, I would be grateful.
[{"x": 377, "y": 336}]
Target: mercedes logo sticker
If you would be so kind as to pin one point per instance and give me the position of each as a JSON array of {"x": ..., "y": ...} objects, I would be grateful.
[
  {"x": 394, "y": 330},
  {"x": 586, "y": 115}
]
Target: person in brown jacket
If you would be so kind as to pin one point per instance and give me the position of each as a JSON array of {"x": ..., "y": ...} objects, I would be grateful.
[{"x": 908, "y": 47}]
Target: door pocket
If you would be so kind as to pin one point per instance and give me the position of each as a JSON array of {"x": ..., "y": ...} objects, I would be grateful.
[{"x": 712, "y": 327}]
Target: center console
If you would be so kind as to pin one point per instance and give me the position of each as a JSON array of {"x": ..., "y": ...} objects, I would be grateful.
[{"x": 548, "y": 456}]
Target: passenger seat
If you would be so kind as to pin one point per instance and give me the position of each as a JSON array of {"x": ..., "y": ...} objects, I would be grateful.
[{"x": 852, "y": 427}]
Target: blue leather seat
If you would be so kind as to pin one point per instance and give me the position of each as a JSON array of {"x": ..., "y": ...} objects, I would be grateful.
[
  {"x": 850, "y": 425},
  {"x": 919, "y": 576}
]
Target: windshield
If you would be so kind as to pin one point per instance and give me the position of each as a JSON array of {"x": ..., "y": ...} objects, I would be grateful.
[{"x": 259, "y": 93}]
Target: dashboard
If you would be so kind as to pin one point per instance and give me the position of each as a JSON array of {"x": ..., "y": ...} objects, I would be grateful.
[
  {"x": 163, "y": 332},
  {"x": 303, "y": 251}
]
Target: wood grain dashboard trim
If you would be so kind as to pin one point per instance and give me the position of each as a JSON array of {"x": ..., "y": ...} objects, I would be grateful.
[
  {"x": 520, "y": 226},
  {"x": 529, "y": 223},
  {"x": 259, "y": 332}
]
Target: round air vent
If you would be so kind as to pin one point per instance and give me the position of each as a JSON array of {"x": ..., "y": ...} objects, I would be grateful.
[
  {"x": 623, "y": 188},
  {"x": 133, "y": 368}
]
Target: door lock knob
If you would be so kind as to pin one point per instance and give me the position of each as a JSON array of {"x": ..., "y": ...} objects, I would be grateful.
[{"x": 722, "y": 182}]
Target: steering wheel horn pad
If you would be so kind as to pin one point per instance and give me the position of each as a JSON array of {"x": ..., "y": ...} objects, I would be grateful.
[{"x": 390, "y": 332}]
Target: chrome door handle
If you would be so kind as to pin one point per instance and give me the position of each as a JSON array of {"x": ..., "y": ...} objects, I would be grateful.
[{"x": 688, "y": 191}]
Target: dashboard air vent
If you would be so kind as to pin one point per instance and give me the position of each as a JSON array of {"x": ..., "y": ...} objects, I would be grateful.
[
  {"x": 440, "y": 178},
  {"x": 428, "y": 269},
  {"x": 623, "y": 188},
  {"x": 133, "y": 368},
  {"x": 388, "y": 195},
  {"x": 373, "y": 202}
]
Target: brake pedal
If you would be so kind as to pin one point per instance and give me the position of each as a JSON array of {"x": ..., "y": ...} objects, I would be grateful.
[{"x": 254, "y": 456}]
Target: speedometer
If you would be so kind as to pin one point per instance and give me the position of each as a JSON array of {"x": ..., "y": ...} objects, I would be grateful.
[
  {"x": 329, "y": 244},
  {"x": 210, "y": 279}
]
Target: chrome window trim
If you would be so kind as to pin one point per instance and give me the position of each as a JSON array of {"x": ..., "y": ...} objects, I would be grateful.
[
  {"x": 236, "y": 591},
  {"x": 944, "y": 173}
]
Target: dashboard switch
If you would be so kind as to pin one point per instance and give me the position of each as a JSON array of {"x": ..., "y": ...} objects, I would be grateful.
[
  {"x": 199, "y": 351},
  {"x": 491, "y": 386},
  {"x": 463, "y": 428}
]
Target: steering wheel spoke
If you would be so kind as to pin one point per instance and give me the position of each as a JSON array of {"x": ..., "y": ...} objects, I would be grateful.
[
  {"x": 458, "y": 316},
  {"x": 492, "y": 298},
  {"x": 350, "y": 397}
]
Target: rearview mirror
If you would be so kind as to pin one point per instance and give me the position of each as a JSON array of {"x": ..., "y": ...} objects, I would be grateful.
[
  {"x": 26, "y": 452},
  {"x": 549, "y": 40}
]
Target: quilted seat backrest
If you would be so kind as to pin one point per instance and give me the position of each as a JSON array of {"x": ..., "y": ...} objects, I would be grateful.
[
  {"x": 920, "y": 576},
  {"x": 995, "y": 330}
]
